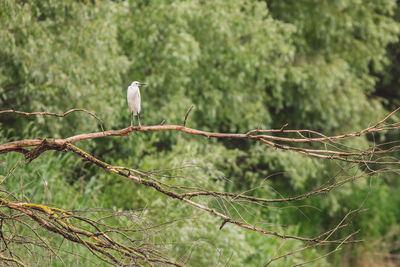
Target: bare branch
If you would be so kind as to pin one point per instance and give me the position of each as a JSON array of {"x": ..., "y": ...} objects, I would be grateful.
[
  {"x": 354, "y": 156},
  {"x": 102, "y": 243},
  {"x": 55, "y": 114},
  {"x": 187, "y": 114},
  {"x": 3, "y": 258},
  {"x": 174, "y": 195},
  {"x": 59, "y": 221}
]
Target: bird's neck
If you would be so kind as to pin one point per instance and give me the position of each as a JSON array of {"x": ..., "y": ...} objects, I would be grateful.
[{"x": 133, "y": 88}]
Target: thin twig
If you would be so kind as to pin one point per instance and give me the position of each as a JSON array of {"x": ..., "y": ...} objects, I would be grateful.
[
  {"x": 154, "y": 184},
  {"x": 56, "y": 114},
  {"x": 187, "y": 114}
]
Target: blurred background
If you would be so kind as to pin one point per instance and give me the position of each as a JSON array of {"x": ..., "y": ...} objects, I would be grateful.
[{"x": 328, "y": 66}]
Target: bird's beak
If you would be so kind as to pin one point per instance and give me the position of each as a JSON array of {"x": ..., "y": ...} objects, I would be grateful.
[{"x": 142, "y": 84}]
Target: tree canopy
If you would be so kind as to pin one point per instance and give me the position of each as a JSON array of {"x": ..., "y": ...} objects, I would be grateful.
[{"x": 326, "y": 66}]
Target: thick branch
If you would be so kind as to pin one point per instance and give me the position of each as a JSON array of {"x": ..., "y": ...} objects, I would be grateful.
[
  {"x": 18, "y": 146},
  {"x": 59, "y": 222}
]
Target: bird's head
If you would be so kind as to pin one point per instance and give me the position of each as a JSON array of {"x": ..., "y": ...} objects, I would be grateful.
[{"x": 136, "y": 83}]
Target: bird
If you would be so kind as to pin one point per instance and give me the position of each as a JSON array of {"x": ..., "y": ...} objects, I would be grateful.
[{"x": 133, "y": 97}]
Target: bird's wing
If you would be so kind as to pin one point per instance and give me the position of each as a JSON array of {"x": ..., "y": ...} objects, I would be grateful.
[
  {"x": 138, "y": 101},
  {"x": 133, "y": 100},
  {"x": 130, "y": 98}
]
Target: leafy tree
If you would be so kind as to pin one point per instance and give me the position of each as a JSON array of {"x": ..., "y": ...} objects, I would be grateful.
[{"x": 319, "y": 65}]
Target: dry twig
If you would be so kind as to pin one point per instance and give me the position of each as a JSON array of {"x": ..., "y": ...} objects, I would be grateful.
[{"x": 100, "y": 243}]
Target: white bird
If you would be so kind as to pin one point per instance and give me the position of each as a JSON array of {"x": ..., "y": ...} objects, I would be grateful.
[{"x": 133, "y": 97}]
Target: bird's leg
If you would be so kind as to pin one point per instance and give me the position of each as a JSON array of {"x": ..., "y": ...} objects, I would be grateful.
[
  {"x": 132, "y": 119},
  {"x": 138, "y": 119}
]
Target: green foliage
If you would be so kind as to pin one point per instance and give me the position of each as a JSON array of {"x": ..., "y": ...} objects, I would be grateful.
[
  {"x": 321, "y": 65},
  {"x": 337, "y": 44},
  {"x": 60, "y": 55}
]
